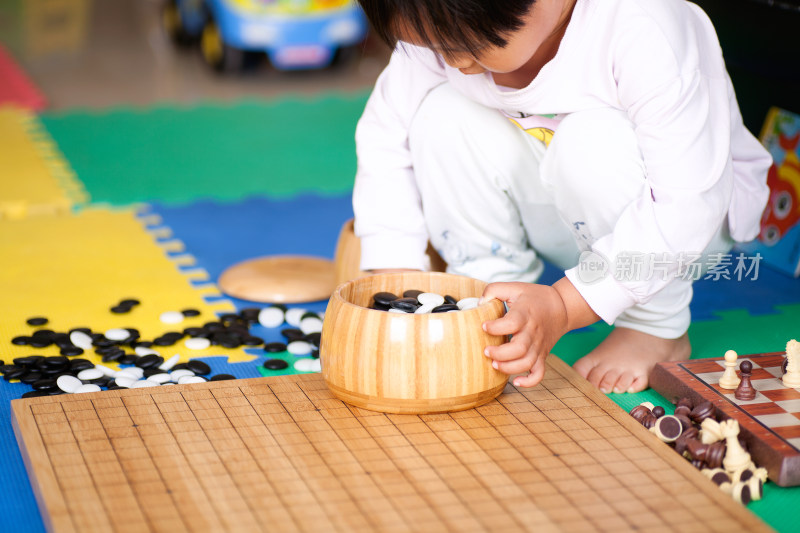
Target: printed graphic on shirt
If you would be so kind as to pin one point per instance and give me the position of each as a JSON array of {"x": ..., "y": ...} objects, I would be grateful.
[{"x": 541, "y": 127}]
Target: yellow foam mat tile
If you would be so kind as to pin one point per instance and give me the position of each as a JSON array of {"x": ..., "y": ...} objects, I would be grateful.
[
  {"x": 73, "y": 268},
  {"x": 35, "y": 178}
]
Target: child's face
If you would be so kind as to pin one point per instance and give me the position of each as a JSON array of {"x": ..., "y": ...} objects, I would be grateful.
[{"x": 542, "y": 31}]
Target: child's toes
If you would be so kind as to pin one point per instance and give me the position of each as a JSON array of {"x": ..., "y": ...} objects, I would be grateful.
[
  {"x": 624, "y": 382},
  {"x": 605, "y": 378},
  {"x": 584, "y": 366},
  {"x": 639, "y": 384}
]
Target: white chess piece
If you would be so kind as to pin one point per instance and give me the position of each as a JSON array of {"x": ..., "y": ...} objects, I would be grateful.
[
  {"x": 792, "y": 376},
  {"x": 736, "y": 458},
  {"x": 729, "y": 379}
]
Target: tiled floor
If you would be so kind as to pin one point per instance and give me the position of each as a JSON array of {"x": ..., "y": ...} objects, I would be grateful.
[{"x": 101, "y": 53}]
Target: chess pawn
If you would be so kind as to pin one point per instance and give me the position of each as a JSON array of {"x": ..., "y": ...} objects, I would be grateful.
[
  {"x": 792, "y": 376},
  {"x": 729, "y": 379},
  {"x": 711, "y": 432},
  {"x": 736, "y": 458},
  {"x": 745, "y": 390}
]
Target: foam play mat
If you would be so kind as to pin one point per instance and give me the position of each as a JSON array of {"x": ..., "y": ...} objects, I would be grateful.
[{"x": 35, "y": 178}]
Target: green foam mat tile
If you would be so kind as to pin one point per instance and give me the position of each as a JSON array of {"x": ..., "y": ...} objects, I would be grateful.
[{"x": 175, "y": 155}]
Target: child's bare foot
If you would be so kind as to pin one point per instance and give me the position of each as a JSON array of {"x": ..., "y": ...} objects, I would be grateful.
[{"x": 624, "y": 360}]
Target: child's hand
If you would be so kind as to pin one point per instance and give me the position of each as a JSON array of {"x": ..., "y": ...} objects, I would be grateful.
[
  {"x": 538, "y": 315},
  {"x": 536, "y": 318}
]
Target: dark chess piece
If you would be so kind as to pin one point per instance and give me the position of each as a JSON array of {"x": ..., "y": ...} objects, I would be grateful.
[
  {"x": 745, "y": 390},
  {"x": 783, "y": 365}
]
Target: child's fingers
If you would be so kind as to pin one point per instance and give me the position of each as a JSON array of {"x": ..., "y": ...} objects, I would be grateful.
[
  {"x": 534, "y": 377},
  {"x": 517, "y": 366},
  {"x": 509, "y": 324},
  {"x": 503, "y": 291},
  {"x": 516, "y": 348}
]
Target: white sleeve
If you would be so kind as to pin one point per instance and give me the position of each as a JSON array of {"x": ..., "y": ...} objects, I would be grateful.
[
  {"x": 675, "y": 89},
  {"x": 386, "y": 202}
]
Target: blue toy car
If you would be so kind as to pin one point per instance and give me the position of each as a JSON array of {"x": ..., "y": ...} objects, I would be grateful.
[{"x": 295, "y": 34}]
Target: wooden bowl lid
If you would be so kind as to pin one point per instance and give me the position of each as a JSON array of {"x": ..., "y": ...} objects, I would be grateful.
[{"x": 280, "y": 279}]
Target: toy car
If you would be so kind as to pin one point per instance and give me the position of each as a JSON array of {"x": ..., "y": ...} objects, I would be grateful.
[{"x": 295, "y": 34}]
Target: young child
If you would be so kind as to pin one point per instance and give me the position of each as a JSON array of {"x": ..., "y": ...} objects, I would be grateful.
[{"x": 603, "y": 136}]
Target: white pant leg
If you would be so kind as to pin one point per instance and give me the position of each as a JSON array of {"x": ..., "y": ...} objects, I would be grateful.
[
  {"x": 594, "y": 169},
  {"x": 486, "y": 211}
]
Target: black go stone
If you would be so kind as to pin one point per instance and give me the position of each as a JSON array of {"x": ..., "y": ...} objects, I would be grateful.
[
  {"x": 221, "y": 377},
  {"x": 120, "y": 309},
  {"x": 252, "y": 340},
  {"x": 113, "y": 356},
  {"x": 409, "y": 305},
  {"x": 293, "y": 334},
  {"x": 250, "y": 314},
  {"x": 34, "y": 394},
  {"x": 82, "y": 330},
  {"x": 152, "y": 371},
  {"x": 315, "y": 354},
  {"x": 76, "y": 365},
  {"x": 314, "y": 338},
  {"x": 274, "y": 347},
  {"x": 149, "y": 360},
  {"x": 190, "y": 312},
  {"x": 21, "y": 340},
  {"x": 57, "y": 361},
  {"x": 31, "y": 378},
  {"x": 127, "y": 359},
  {"x": 17, "y": 373},
  {"x": 309, "y": 314},
  {"x": 411, "y": 293},
  {"x": 384, "y": 298},
  {"x": 71, "y": 351},
  {"x": 180, "y": 366},
  {"x": 40, "y": 342},
  {"x": 44, "y": 384},
  {"x": 198, "y": 367},
  {"x": 195, "y": 332},
  {"x": 37, "y": 321},
  {"x": 449, "y": 299},
  {"x": 29, "y": 360},
  {"x": 129, "y": 302},
  {"x": 444, "y": 308},
  {"x": 5, "y": 369},
  {"x": 275, "y": 364}
]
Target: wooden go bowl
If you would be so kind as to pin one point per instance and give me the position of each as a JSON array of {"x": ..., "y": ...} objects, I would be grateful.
[{"x": 409, "y": 363}]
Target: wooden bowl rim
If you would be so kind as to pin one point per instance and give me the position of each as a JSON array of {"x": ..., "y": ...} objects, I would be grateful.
[{"x": 337, "y": 295}]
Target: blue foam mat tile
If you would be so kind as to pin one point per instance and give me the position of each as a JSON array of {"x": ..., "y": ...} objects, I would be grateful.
[{"x": 220, "y": 235}]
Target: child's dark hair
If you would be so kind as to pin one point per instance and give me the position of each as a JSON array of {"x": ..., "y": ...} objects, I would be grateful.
[{"x": 452, "y": 25}]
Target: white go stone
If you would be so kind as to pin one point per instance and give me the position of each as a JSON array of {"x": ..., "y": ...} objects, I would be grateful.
[
  {"x": 468, "y": 303},
  {"x": 125, "y": 382},
  {"x": 294, "y": 316},
  {"x": 117, "y": 334},
  {"x": 141, "y": 351},
  {"x": 89, "y": 387},
  {"x": 135, "y": 371},
  {"x": 126, "y": 374},
  {"x": 298, "y": 348},
  {"x": 393, "y": 310},
  {"x": 81, "y": 340},
  {"x": 424, "y": 309},
  {"x": 107, "y": 372},
  {"x": 197, "y": 343},
  {"x": 68, "y": 383},
  {"x": 191, "y": 379},
  {"x": 311, "y": 324},
  {"x": 271, "y": 317},
  {"x": 171, "y": 317},
  {"x": 160, "y": 378},
  {"x": 307, "y": 365},
  {"x": 142, "y": 383},
  {"x": 169, "y": 363},
  {"x": 176, "y": 375},
  {"x": 430, "y": 298},
  {"x": 90, "y": 374}
]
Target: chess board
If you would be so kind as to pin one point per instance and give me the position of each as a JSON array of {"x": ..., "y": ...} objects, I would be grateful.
[
  {"x": 770, "y": 423},
  {"x": 283, "y": 454}
]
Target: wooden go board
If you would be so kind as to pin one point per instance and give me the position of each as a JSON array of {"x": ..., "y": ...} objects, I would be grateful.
[
  {"x": 770, "y": 423},
  {"x": 282, "y": 454}
]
